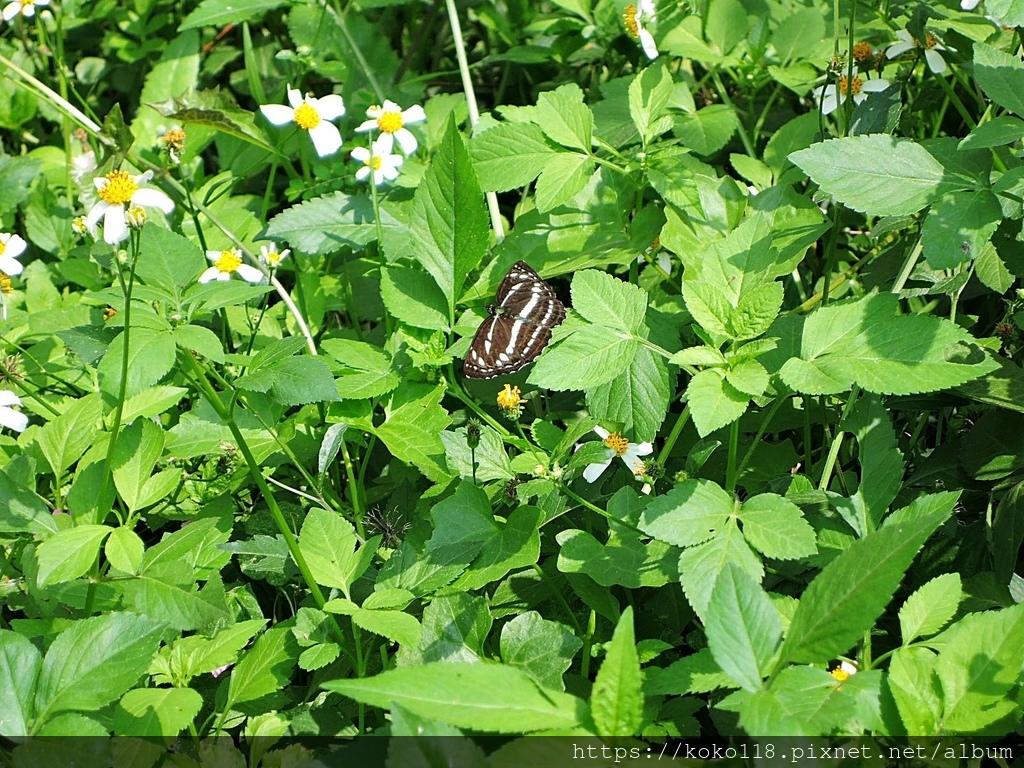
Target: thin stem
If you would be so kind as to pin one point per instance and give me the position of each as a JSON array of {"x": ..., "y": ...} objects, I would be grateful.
[
  {"x": 837, "y": 442},
  {"x": 908, "y": 267},
  {"x": 734, "y": 446},
  {"x": 673, "y": 436}
]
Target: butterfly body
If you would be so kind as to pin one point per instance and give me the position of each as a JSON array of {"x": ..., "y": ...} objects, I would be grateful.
[{"x": 518, "y": 326}]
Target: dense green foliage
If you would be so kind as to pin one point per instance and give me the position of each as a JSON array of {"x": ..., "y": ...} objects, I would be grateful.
[{"x": 251, "y": 492}]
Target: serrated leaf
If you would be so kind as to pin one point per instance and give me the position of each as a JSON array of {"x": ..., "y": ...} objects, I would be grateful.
[
  {"x": 326, "y": 224},
  {"x": 543, "y": 649},
  {"x": 265, "y": 668},
  {"x": 564, "y": 117},
  {"x": 414, "y": 297},
  {"x": 958, "y": 227},
  {"x": 233, "y": 122},
  {"x": 776, "y": 528},
  {"x": 692, "y": 512},
  {"x": 156, "y": 711},
  {"x": 638, "y": 399},
  {"x": 564, "y": 175},
  {"x": 217, "y": 13},
  {"x": 930, "y": 608},
  {"x": 743, "y": 627},
  {"x": 605, "y": 300},
  {"x": 1000, "y": 76},
  {"x": 616, "y": 701},
  {"x": 714, "y": 402},
  {"x": 591, "y": 356},
  {"x": 64, "y": 440},
  {"x": 510, "y": 155},
  {"x": 70, "y": 553}
]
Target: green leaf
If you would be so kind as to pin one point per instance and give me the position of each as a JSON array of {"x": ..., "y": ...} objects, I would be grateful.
[
  {"x": 692, "y": 512},
  {"x": 328, "y": 542},
  {"x": 1000, "y": 76},
  {"x": 851, "y": 592},
  {"x": 124, "y": 550},
  {"x": 94, "y": 662},
  {"x": 743, "y": 627},
  {"x": 699, "y": 566},
  {"x": 64, "y": 440},
  {"x": 293, "y": 381},
  {"x": 564, "y": 117},
  {"x": 168, "y": 261},
  {"x": 265, "y": 668},
  {"x": 156, "y": 711},
  {"x": 413, "y": 427},
  {"x": 617, "y": 700},
  {"x": 958, "y": 226},
  {"x": 413, "y": 297},
  {"x": 367, "y": 371},
  {"x": 714, "y": 402},
  {"x": 638, "y": 399},
  {"x": 1008, "y": 533},
  {"x": 915, "y": 686},
  {"x": 151, "y": 356},
  {"x": 510, "y": 155},
  {"x": 448, "y": 222},
  {"x": 326, "y": 224},
  {"x": 591, "y": 356},
  {"x": 775, "y": 527},
  {"x": 516, "y": 544},
  {"x": 136, "y": 451},
  {"x": 997, "y": 132},
  {"x": 978, "y": 666},
  {"x": 455, "y": 628},
  {"x": 649, "y": 96},
  {"x": 217, "y": 13},
  {"x": 70, "y": 553},
  {"x": 201, "y": 340},
  {"x": 877, "y": 174},
  {"x": 19, "y": 671},
  {"x": 396, "y": 626},
  {"x": 605, "y": 300},
  {"x": 930, "y": 608},
  {"x": 797, "y": 33},
  {"x": 492, "y": 463},
  {"x": 564, "y": 175},
  {"x": 333, "y": 438},
  {"x": 233, "y": 122},
  {"x": 708, "y": 129},
  {"x": 481, "y": 697},
  {"x": 543, "y": 649},
  {"x": 863, "y": 342},
  {"x": 178, "y": 603}
]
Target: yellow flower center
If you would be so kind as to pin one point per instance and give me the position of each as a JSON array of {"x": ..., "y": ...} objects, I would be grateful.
[
  {"x": 27, "y": 2},
  {"x": 229, "y": 261},
  {"x": 373, "y": 161},
  {"x": 929, "y": 41},
  {"x": 306, "y": 117},
  {"x": 5, "y": 284},
  {"x": 629, "y": 17},
  {"x": 273, "y": 258},
  {"x": 840, "y": 674},
  {"x": 119, "y": 188},
  {"x": 3, "y": 247},
  {"x": 861, "y": 51},
  {"x": 509, "y": 397},
  {"x": 174, "y": 138},
  {"x": 850, "y": 87},
  {"x": 617, "y": 443},
  {"x": 389, "y": 122}
]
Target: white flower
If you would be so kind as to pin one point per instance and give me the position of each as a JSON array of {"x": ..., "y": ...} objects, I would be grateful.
[
  {"x": 11, "y": 247},
  {"x": 390, "y": 120},
  {"x": 22, "y": 8},
  {"x": 9, "y": 417},
  {"x": 312, "y": 115},
  {"x": 836, "y": 93},
  {"x": 378, "y": 159},
  {"x": 227, "y": 262},
  {"x": 969, "y": 5},
  {"x": 931, "y": 49},
  {"x": 119, "y": 190},
  {"x": 844, "y": 671},
  {"x": 636, "y": 16},
  {"x": 630, "y": 453},
  {"x": 272, "y": 257}
]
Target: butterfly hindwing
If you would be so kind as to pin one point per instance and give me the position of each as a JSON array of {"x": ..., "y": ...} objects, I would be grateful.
[{"x": 519, "y": 325}]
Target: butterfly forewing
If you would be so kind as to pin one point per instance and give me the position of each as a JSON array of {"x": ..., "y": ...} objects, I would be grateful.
[{"x": 519, "y": 326}]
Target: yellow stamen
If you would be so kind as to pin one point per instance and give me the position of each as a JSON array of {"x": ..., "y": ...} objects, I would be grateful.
[
  {"x": 629, "y": 17},
  {"x": 109, "y": 313},
  {"x": 3, "y": 247},
  {"x": 850, "y": 87},
  {"x": 840, "y": 674},
  {"x": 373, "y": 161},
  {"x": 389, "y": 122},
  {"x": 861, "y": 51},
  {"x": 306, "y": 117},
  {"x": 509, "y": 397},
  {"x": 229, "y": 261},
  {"x": 174, "y": 139},
  {"x": 119, "y": 188},
  {"x": 5, "y": 284},
  {"x": 273, "y": 258},
  {"x": 617, "y": 443}
]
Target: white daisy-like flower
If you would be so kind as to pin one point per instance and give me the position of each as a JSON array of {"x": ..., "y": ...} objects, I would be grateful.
[
  {"x": 858, "y": 88},
  {"x": 311, "y": 115},
  {"x": 225, "y": 263},
  {"x": 25, "y": 8},
  {"x": 118, "y": 191},
  {"x": 272, "y": 257},
  {"x": 378, "y": 159},
  {"x": 636, "y": 17},
  {"x": 844, "y": 671},
  {"x": 11, "y": 247},
  {"x": 9, "y": 417},
  {"x": 391, "y": 120},
  {"x": 630, "y": 454},
  {"x": 931, "y": 47}
]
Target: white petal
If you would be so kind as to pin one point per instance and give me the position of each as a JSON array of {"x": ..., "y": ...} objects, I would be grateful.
[
  {"x": 362, "y": 173},
  {"x": 13, "y": 419},
  {"x": 294, "y": 97},
  {"x": 14, "y": 245},
  {"x": 326, "y": 138},
  {"x": 153, "y": 198},
  {"x": 209, "y": 274},
  {"x": 648, "y": 44},
  {"x": 406, "y": 140},
  {"x": 9, "y": 398},
  {"x": 115, "y": 229},
  {"x": 143, "y": 178},
  {"x": 278, "y": 114},
  {"x": 876, "y": 85},
  {"x": 389, "y": 172},
  {"x": 367, "y": 125},
  {"x": 330, "y": 107},
  {"x": 602, "y": 432},
  {"x": 969, "y": 5},
  {"x": 11, "y": 11},
  {"x": 648, "y": 9},
  {"x": 95, "y": 214},
  {"x": 859, "y": 97},
  {"x": 249, "y": 274},
  {"x": 905, "y": 36},
  {"x": 100, "y": 182},
  {"x": 830, "y": 103},
  {"x": 935, "y": 61},
  {"x": 414, "y": 114},
  {"x": 665, "y": 262},
  {"x": 213, "y": 255},
  {"x": 384, "y": 144},
  {"x": 28, "y": 10},
  {"x": 390, "y": 106},
  {"x": 361, "y": 154},
  {"x": 378, "y": 177},
  {"x": 897, "y": 49},
  {"x": 644, "y": 449},
  {"x": 10, "y": 266},
  {"x": 223, "y": 276},
  {"x": 594, "y": 471}
]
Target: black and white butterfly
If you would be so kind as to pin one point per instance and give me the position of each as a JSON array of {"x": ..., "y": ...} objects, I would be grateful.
[{"x": 519, "y": 326}]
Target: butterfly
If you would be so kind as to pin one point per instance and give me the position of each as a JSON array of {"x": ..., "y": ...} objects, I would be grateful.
[{"x": 518, "y": 327}]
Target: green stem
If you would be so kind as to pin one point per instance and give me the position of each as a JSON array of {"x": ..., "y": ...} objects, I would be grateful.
[
  {"x": 760, "y": 433},
  {"x": 734, "y": 446},
  {"x": 594, "y": 508},
  {"x": 837, "y": 442},
  {"x": 354, "y": 492},
  {"x": 673, "y": 436}
]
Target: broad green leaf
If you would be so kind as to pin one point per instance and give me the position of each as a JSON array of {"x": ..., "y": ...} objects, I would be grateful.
[
  {"x": 958, "y": 226},
  {"x": 201, "y": 340},
  {"x": 516, "y": 544},
  {"x": 914, "y": 683},
  {"x": 1000, "y": 76},
  {"x": 605, "y": 300},
  {"x": 168, "y": 261},
  {"x": 696, "y": 673},
  {"x": 217, "y": 13},
  {"x": 156, "y": 711},
  {"x": 294, "y": 381},
  {"x": 197, "y": 655},
  {"x": 851, "y": 592},
  {"x": 151, "y": 356},
  {"x": 19, "y": 671},
  {"x": 492, "y": 463},
  {"x": 708, "y": 129},
  {"x": 70, "y": 553},
  {"x": 994, "y": 448},
  {"x": 151, "y": 402},
  {"x": 617, "y": 700},
  {"x": 1006, "y": 12},
  {"x": 748, "y": 377},
  {"x": 265, "y": 668},
  {"x": 124, "y": 550},
  {"x": 638, "y": 399},
  {"x": 863, "y": 342},
  {"x": 649, "y": 96},
  {"x": 326, "y": 224},
  {"x": 564, "y": 175},
  {"x": 699, "y": 566},
  {"x": 590, "y": 356},
  {"x": 136, "y": 451},
  {"x": 797, "y": 33},
  {"x": 776, "y": 528},
  {"x": 978, "y": 666},
  {"x": 173, "y": 77},
  {"x": 543, "y": 649},
  {"x": 449, "y": 220},
  {"x": 714, "y": 402},
  {"x": 193, "y": 552},
  {"x": 743, "y": 627},
  {"x": 21, "y": 510},
  {"x": 510, "y": 155},
  {"x": 692, "y": 512},
  {"x": 411, "y": 431},
  {"x": 797, "y": 704},
  {"x": 877, "y": 174},
  {"x": 564, "y": 117},
  {"x": 181, "y": 604},
  {"x": 367, "y": 371},
  {"x": 931, "y": 607},
  {"x": 396, "y": 626},
  {"x": 94, "y": 662},
  {"x": 67, "y": 437},
  {"x": 481, "y": 697},
  {"x": 455, "y": 629},
  {"x": 414, "y": 297},
  {"x": 1008, "y": 533},
  {"x": 328, "y": 543},
  {"x": 997, "y": 132}
]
